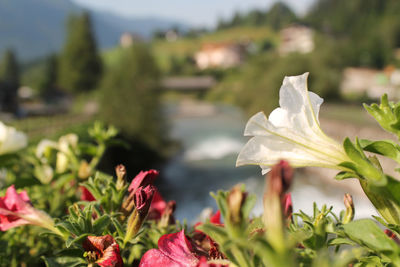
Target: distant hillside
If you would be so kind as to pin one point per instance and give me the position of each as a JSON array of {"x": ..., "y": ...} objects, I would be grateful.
[{"x": 35, "y": 28}]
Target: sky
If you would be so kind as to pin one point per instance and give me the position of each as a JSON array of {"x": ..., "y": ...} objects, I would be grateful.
[{"x": 192, "y": 12}]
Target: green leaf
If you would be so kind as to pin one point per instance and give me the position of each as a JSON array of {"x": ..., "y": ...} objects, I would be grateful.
[
  {"x": 101, "y": 224},
  {"x": 77, "y": 239},
  {"x": 248, "y": 205},
  {"x": 118, "y": 227},
  {"x": 386, "y": 114},
  {"x": 352, "y": 152},
  {"x": 361, "y": 165},
  {"x": 340, "y": 241},
  {"x": 366, "y": 233},
  {"x": 63, "y": 179},
  {"x": 345, "y": 175},
  {"x": 383, "y": 147},
  {"x": 217, "y": 233},
  {"x": 64, "y": 262}
]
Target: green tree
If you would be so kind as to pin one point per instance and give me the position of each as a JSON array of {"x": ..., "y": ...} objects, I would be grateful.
[
  {"x": 47, "y": 85},
  {"x": 279, "y": 16},
  {"x": 130, "y": 101},
  {"x": 9, "y": 82},
  {"x": 80, "y": 64}
]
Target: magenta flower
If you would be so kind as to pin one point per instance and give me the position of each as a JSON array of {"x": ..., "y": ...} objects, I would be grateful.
[
  {"x": 157, "y": 207},
  {"x": 204, "y": 263},
  {"x": 16, "y": 209},
  {"x": 142, "y": 179},
  {"x": 86, "y": 195},
  {"x": 287, "y": 206},
  {"x": 174, "y": 250},
  {"x": 13, "y": 202},
  {"x": 160, "y": 209},
  {"x": 214, "y": 219},
  {"x": 103, "y": 250}
]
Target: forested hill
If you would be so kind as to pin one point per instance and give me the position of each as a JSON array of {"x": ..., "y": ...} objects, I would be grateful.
[{"x": 35, "y": 28}]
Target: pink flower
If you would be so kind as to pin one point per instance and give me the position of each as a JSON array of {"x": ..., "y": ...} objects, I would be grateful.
[
  {"x": 287, "y": 206},
  {"x": 203, "y": 263},
  {"x": 205, "y": 242},
  {"x": 103, "y": 250},
  {"x": 214, "y": 219},
  {"x": 174, "y": 250},
  {"x": 86, "y": 195},
  {"x": 13, "y": 202},
  {"x": 142, "y": 179},
  {"x": 16, "y": 210},
  {"x": 159, "y": 208}
]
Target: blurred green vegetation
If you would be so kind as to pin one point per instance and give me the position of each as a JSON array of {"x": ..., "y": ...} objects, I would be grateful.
[
  {"x": 356, "y": 33},
  {"x": 130, "y": 100},
  {"x": 80, "y": 65},
  {"x": 255, "y": 86},
  {"x": 181, "y": 51}
]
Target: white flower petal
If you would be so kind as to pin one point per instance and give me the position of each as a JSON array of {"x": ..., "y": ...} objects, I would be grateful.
[
  {"x": 43, "y": 145},
  {"x": 11, "y": 140},
  {"x": 267, "y": 151},
  {"x": 291, "y": 132}
]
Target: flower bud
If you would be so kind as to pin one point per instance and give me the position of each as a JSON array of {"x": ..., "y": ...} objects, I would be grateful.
[
  {"x": 277, "y": 204},
  {"x": 84, "y": 170},
  {"x": 349, "y": 214},
  {"x": 236, "y": 199},
  {"x": 280, "y": 178},
  {"x": 142, "y": 199},
  {"x": 287, "y": 208},
  {"x": 127, "y": 206},
  {"x": 121, "y": 176},
  {"x": 392, "y": 236},
  {"x": 144, "y": 178}
]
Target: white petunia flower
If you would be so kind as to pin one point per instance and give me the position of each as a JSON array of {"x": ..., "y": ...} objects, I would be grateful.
[
  {"x": 11, "y": 140},
  {"x": 291, "y": 132}
]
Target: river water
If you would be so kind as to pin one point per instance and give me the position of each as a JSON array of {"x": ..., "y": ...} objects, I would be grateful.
[{"x": 211, "y": 137}]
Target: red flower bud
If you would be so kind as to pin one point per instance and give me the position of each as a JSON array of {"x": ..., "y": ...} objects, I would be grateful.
[
  {"x": 143, "y": 179},
  {"x": 86, "y": 195},
  {"x": 392, "y": 236},
  {"x": 280, "y": 178}
]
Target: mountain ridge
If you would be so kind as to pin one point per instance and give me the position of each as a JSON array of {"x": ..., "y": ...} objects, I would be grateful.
[{"x": 36, "y": 28}]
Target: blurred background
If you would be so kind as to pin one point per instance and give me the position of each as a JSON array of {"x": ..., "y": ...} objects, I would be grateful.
[{"x": 179, "y": 79}]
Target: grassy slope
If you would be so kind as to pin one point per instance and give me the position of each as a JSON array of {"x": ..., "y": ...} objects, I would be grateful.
[{"x": 184, "y": 47}]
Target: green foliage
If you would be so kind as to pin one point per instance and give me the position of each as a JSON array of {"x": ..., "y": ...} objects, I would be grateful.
[
  {"x": 368, "y": 29},
  {"x": 9, "y": 70},
  {"x": 9, "y": 82},
  {"x": 277, "y": 17},
  {"x": 48, "y": 84},
  {"x": 375, "y": 240},
  {"x": 254, "y": 89},
  {"x": 130, "y": 97},
  {"x": 80, "y": 65},
  {"x": 387, "y": 114}
]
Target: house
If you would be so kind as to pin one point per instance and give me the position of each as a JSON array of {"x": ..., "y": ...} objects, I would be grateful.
[
  {"x": 371, "y": 82},
  {"x": 296, "y": 38},
  {"x": 220, "y": 55},
  {"x": 127, "y": 39}
]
